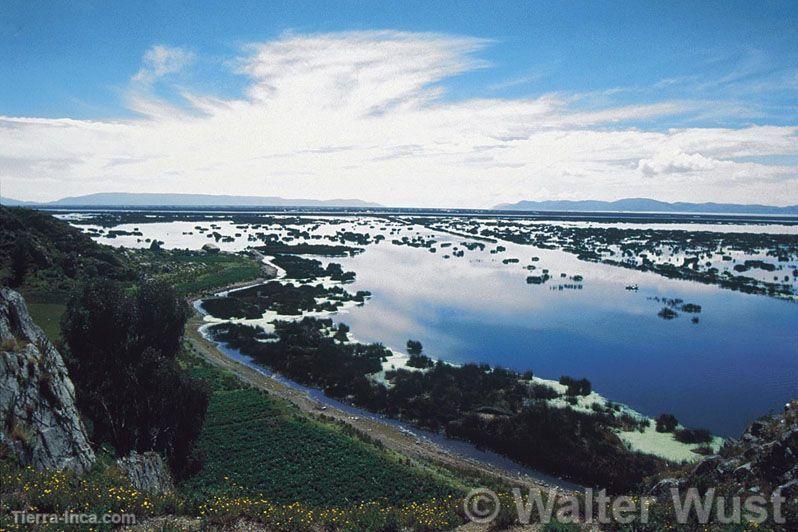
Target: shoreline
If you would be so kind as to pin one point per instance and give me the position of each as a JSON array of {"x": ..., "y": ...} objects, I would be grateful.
[
  {"x": 647, "y": 441},
  {"x": 392, "y": 436}
]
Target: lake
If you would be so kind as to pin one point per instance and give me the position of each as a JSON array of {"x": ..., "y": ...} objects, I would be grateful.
[{"x": 738, "y": 362}]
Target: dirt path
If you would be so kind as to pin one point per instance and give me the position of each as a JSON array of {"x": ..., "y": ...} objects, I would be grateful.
[{"x": 391, "y": 437}]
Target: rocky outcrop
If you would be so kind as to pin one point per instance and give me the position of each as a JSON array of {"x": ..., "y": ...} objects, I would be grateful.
[
  {"x": 764, "y": 459},
  {"x": 147, "y": 472},
  {"x": 39, "y": 422}
]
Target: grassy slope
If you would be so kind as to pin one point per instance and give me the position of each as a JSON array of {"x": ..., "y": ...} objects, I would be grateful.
[
  {"x": 189, "y": 273},
  {"x": 47, "y": 316},
  {"x": 258, "y": 445},
  {"x": 196, "y": 272},
  {"x": 61, "y": 257}
]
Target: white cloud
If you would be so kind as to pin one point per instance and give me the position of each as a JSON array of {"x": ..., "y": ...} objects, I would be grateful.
[
  {"x": 678, "y": 162},
  {"x": 161, "y": 60},
  {"x": 363, "y": 114}
]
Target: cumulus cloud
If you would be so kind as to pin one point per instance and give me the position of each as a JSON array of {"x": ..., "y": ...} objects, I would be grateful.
[
  {"x": 677, "y": 162},
  {"x": 364, "y": 114}
]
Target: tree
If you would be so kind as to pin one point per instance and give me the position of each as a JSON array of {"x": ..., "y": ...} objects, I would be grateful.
[
  {"x": 341, "y": 332},
  {"x": 420, "y": 361},
  {"x": 121, "y": 350},
  {"x": 20, "y": 258},
  {"x": 171, "y": 409},
  {"x": 161, "y": 318},
  {"x": 667, "y": 423},
  {"x": 576, "y": 387},
  {"x": 414, "y": 347},
  {"x": 693, "y": 436},
  {"x": 71, "y": 264}
]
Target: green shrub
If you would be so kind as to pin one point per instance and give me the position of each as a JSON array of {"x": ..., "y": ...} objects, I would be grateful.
[
  {"x": 693, "y": 435},
  {"x": 667, "y": 423}
]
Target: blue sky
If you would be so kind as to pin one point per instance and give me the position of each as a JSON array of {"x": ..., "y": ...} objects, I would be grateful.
[{"x": 691, "y": 66}]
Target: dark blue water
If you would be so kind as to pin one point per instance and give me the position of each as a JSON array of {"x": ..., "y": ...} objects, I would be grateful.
[{"x": 739, "y": 362}]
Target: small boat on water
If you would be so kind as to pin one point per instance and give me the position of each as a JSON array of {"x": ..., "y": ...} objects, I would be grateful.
[{"x": 632, "y": 287}]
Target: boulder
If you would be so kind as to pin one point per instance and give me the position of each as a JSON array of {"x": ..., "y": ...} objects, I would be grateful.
[
  {"x": 210, "y": 248},
  {"x": 147, "y": 472},
  {"x": 707, "y": 465},
  {"x": 39, "y": 422}
]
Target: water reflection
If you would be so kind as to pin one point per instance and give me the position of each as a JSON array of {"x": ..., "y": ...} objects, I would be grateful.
[{"x": 738, "y": 362}]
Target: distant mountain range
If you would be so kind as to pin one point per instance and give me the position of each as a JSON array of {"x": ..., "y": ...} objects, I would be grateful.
[
  {"x": 124, "y": 199},
  {"x": 645, "y": 205}
]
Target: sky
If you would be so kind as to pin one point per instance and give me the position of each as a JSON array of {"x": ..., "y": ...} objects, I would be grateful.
[{"x": 435, "y": 104}]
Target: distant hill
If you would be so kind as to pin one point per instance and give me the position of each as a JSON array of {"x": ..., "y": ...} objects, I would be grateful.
[
  {"x": 125, "y": 199},
  {"x": 8, "y": 202},
  {"x": 646, "y": 205}
]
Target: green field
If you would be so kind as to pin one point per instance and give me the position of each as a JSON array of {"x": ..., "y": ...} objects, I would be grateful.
[
  {"x": 48, "y": 317},
  {"x": 192, "y": 272},
  {"x": 253, "y": 444},
  {"x": 189, "y": 272}
]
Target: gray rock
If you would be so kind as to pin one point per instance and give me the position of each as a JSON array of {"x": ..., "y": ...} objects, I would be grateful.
[
  {"x": 147, "y": 472},
  {"x": 749, "y": 439},
  {"x": 772, "y": 459},
  {"x": 706, "y": 465},
  {"x": 757, "y": 429},
  {"x": 788, "y": 489},
  {"x": 39, "y": 422},
  {"x": 752, "y": 453},
  {"x": 764, "y": 457},
  {"x": 792, "y": 474},
  {"x": 726, "y": 467},
  {"x": 663, "y": 488},
  {"x": 790, "y": 440},
  {"x": 743, "y": 472}
]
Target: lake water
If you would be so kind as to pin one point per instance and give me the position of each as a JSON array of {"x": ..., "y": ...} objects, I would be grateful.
[{"x": 740, "y": 361}]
